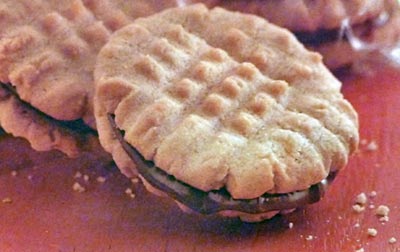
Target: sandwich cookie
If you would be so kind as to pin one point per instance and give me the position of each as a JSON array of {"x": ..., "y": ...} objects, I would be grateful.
[
  {"x": 345, "y": 32},
  {"x": 47, "y": 55},
  {"x": 222, "y": 111}
]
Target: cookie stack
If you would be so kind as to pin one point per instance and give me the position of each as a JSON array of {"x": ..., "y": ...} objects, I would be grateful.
[
  {"x": 345, "y": 32},
  {"x": 221, "y": 111}
]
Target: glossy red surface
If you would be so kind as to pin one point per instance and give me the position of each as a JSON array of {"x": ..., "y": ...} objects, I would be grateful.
[{"x": 47, "y": 215}]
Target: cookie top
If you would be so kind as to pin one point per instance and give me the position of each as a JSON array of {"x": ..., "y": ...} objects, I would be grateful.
[
  {"x": 223, "y": 99},
  {"x": 307, "y": 16},
  {"x": 48, "y": 49}
]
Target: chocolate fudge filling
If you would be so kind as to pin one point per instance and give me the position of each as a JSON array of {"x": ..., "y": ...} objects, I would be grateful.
[
  {"x": 217, "y": 200},
  {"x": 76, "y": 125}
]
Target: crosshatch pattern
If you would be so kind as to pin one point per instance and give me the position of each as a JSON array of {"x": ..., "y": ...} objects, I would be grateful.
[
  {"x": 223, "y": 99},
  {"x": 47, "y": 51}
]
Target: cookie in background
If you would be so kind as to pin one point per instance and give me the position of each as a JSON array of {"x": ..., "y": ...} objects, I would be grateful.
[
  {"x": 350, "y": 34},
  {"x": 47, "y": 56}
]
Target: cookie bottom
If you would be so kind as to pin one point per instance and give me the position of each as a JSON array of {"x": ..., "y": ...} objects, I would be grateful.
[
  {"x": 217, "y": 201},
  {"x": 243, "y": 216},
  {"x": 43, "y": 132}
]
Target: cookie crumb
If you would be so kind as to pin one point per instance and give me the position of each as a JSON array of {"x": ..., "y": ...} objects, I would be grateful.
[
  {"x": 14, "y": 173},
  {"x": 78, "y": 187},
  {"x": 78, "y": 175},
  {"x": 382, "y": 210},
  {"x": 357, "y": 225},
  {"x": 372, "y": 232},
  {"x": 361, "y": 199},
  {"x": 371, "y": 206},
  {"x": 309, "y": 238},
  {"x": 134, "y": 180},
  {"x": 372, "y": 146},
  {"x": 86, "y": 177},
  {"x": 392, "y": 240},
  {"x": 291, "y": 225},
  {"x": 129, "y": 192},
  {"x": 384, "y": 219},
  {"x": 358, "y": 209},
  {"x": 372, "y": 194},
  {"x": 101, "y": 179},
  {"x": 7, "y": 200},
  {"x": 360, "y": 250}
]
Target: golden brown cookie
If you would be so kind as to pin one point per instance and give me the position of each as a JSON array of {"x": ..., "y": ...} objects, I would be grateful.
[
  {"x": 48, "y": 51},
  {"x": 346, "y": 33},
  {"x": 221, "y": 101},
  {"x": 365, "y": 45},
  {"x": 307, "y": 16}
]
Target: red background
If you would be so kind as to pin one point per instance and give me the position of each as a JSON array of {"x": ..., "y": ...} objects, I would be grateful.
[{"x": 47, "y": 215}]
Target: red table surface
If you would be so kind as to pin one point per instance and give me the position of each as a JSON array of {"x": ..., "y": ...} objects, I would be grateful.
[{"x": 47, "y": 215}]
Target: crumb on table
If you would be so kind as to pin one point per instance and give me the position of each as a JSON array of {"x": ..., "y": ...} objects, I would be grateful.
[
  {"x": 86, "y": 177},
  {"x": 384, "y": 219},
  {"x": 135, "y": 180},
  {"x": 7, "y": 200},
  {"x": 78, "y": 187},
  {"x": 358, "y": 209},
  {"x": 372, "y": 232},
  {"x": 78, "y": 174},
  {"x": 372, "y": 146},
  {"x": 372, "y": 194},
  {"x": 101, "y": 179},
  {"x": 309, "y": 238},
  {"x": 361, "y": 199},
  {"x": 129, "y": 192},
  {"x": 382, "y": 210}
]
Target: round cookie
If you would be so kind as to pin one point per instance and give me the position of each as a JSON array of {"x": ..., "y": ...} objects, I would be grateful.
[
  {"x": 47, "y": 53},
  {"x": 222, "y": 101},
  {"x": 346, "y": 33},
  {"x": 307, "y": 16},
  {"x": 366, "y": 44}
]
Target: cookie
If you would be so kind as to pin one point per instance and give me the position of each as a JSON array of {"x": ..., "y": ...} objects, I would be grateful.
[
  {"x": 222, "y": 102},
  {"x": 307, "y": 16},
  {"x": 47, "y": 53},
  {"x": 331, "y": 27},
  {"x": 45, "y": 134},
  {"x": 366, "y": 44}
]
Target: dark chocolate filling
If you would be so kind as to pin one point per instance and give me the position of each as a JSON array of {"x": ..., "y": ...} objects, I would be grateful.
[
  {"x": 75, "y": 125},
  {"x": 216, "y": 200}
]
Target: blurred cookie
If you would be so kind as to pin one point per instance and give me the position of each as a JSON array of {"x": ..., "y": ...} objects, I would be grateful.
[
  {"x": 231, "y": 110},
  {"x": 44, "y": 133},
  {"x": 47, "y": 53},
  {"x": 364, "y": 46},
  {"x": 342, "y": 31},
  {"x": 308, "y": 16}
]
